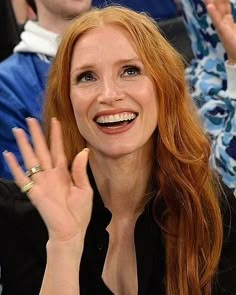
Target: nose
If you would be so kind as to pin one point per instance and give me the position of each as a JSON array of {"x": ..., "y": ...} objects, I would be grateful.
[{"x": 110, "y": 92}]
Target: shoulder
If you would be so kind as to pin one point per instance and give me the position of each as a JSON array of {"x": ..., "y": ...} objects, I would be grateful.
[
  {"x": 7, "y": 186},
  {"x": 8, "y": 192},
  {"x": 15, "y": 61},
  {"x": 13, "y": 203},
  {"x": 23, "y": 242},
  {"x": 18, "y": 215},
  {"x": 225, "y": 280},
  {"x": 22, "y": 81},
  {"x": 14, "y": 69},
  {"x": 19, "y": 63},
  {"x": 228, "y": 208}
]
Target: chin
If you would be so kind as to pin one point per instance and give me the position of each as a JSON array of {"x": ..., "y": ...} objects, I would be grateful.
[{"x": 119, "y": 150}]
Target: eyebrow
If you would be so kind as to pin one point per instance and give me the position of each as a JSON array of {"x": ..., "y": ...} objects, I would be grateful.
[{"x": 87, "y": 66}]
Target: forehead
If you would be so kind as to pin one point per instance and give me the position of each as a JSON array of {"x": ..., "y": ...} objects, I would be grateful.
[{"x": 105, "y": 42}]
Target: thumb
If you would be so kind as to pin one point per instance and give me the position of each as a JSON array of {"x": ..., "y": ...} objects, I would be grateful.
[{"x": 79, "y": 169}]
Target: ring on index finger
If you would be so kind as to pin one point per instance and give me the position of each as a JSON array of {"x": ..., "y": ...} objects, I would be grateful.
[{"x": 33, "y": 170}]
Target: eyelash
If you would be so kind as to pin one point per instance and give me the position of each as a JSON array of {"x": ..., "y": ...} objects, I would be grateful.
[
  {"x": 127, "y": 68},
  {"x": 83, "y": 75},
  {"x": 134, "y": 68}
]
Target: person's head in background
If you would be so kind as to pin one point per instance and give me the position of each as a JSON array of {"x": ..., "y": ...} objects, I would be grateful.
[
  {"x": 54, "y": 15},
  {"x": 180, "y": 158}
]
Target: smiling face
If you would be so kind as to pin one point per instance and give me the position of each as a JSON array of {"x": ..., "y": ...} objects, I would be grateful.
[{"x": 113, "y": 97}]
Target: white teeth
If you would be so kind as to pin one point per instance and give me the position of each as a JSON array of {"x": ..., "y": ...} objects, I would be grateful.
[{"x": 116, "y": 118}]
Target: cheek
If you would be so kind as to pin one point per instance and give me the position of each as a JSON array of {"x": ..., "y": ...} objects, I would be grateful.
[
  {"x": 82, "y": 108},
  {"x": 151, "y": 106},
  {"x": 80, "y": 105},
  {"x": 148, "y": 97}
]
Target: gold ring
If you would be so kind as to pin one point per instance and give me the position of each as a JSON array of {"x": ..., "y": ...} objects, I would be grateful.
[
  {"x": 33, "y": 170},
  {"x": 27, "y": 187}
]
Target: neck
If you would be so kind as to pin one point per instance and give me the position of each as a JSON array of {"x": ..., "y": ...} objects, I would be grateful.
[
  {"x": 123, "y": 183},
  {"x": 52, "y": 23}
]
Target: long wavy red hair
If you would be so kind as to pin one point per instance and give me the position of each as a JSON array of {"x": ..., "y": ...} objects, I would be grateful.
[{"x": 191, "y": 221}]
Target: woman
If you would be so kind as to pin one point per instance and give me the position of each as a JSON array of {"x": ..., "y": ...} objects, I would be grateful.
[{"x": 154, "y": 225}]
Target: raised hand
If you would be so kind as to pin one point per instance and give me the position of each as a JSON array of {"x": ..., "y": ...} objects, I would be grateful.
[
  {"x": 64, "y": 201},
  {"x": 222, "y": 18}
]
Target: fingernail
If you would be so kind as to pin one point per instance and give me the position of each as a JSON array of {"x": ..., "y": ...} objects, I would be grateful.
[
  {"x": 86, "y": 150},
  {"x": 5, "y": 152},
  {"x": 54, "y": 119},
  {"x": 14, "y": 128}
]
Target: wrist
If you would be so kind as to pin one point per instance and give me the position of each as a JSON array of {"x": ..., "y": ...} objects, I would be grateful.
[
  {"x": 70, "y": 249},
  {"x": 231, "y": 61}
]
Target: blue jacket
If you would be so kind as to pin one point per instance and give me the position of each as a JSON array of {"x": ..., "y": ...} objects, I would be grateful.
[
  {"x": 22, "y": 83},
  {"x": 158, "y": 9}
]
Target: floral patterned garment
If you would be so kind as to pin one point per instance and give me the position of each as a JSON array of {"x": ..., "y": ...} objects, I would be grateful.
[{"x": 213, "y": 86}]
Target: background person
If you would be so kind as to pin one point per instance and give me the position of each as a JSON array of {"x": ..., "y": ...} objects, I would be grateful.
[
  {"x": 212, "y": 76},
  {"x": 23, "y": 74}
]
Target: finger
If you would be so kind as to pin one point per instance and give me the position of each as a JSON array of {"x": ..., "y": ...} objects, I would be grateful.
[
  {"x": 39, "y": 143},
  {"x": 223, "y": 7},
  {"x": 56, "y": 144},
  {"x": 223, "y": 24},
  {"x": 229, "y": 19},
  {"x": 215, "y": 15},
  {"x": 208, "y": 2},
  {"x": 20, "y": 178},
  {"x": 27, "y": 152},
  {"x": 79, "y": 169}
]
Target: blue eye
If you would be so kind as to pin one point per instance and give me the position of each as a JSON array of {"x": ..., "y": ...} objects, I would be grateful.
[
  {"x": 131, "y": 71},
  {"x": 85, "y": 77}
]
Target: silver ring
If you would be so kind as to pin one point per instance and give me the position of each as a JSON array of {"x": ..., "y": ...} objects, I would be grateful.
[
  {"x": 27, "y": 187},
  {"x": 33, "y": 170}
]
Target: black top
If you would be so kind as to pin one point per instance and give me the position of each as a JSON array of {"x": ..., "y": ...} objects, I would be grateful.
[{"x": 24, "y": 237}]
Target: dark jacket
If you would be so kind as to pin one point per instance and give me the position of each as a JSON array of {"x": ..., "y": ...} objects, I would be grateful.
[
  {"x": 158, "y": 9},
  {"x": 24, "y": 237}
]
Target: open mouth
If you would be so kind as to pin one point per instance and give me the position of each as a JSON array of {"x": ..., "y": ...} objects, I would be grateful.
[{"x": 116, "y": 121}]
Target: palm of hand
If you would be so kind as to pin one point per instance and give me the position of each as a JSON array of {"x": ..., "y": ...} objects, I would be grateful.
[
  {"x": 227, "y": 35},
  {"x": 64, "y": 207},
  {"x": 63, "y": 200},
  {"x": 222, "y": 18}
]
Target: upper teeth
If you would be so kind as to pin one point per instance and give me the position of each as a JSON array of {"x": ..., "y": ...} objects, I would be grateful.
[{"x": 116, "y": 118}]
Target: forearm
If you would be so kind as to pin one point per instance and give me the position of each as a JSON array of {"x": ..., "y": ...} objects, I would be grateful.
[{"x": 61, "y": 276}]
